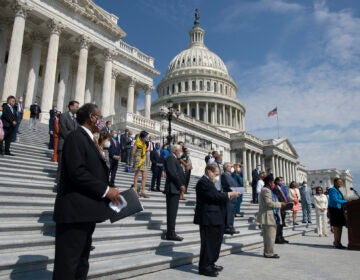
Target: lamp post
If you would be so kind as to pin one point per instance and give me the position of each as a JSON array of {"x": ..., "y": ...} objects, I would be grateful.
[{"x": 168, "y": 112}]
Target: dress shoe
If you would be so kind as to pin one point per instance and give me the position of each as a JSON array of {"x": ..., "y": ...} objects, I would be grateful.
[
  {"x": 217, "y": 267},
  {"x": 295, "y": 224},
  {"x": 275, "y": 256},
  {"x": 174, "y": 238},
  {"x": 227, "y": 231},
  {"x": 210, "y": 273},
  {"x": 285, "y": 241},
  {"x": 158, "y": 190},
  {"x": 279, "y": 242},
  {"x": 235, "y": 232},
  {"x": 340, "y": 246},
  {"x": 92, "y": 248},
  {"x": 9, "y": 154},
  {"x": 309, "y": 222}
]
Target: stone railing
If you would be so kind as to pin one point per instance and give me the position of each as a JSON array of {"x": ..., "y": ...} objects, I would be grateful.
[
  {"x": 135, "y": 53},
  {"x": 204, "y": 125},
  {"x": 141, "y": 121},
  {"x": 249, "y": 137}
]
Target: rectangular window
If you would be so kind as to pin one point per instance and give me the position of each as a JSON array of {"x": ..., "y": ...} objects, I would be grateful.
[
  {"x": 208, "y": 86},
  {"x": 186, "y": 86},
  {"x": 193, "y": 85},
  {"x": 201, "y": 85},
  {"x": 179, "y": 87}
]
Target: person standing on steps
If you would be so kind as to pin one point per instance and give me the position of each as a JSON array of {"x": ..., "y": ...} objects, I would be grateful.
[
  {"x": 174, "y": 184},
  {"x": 83, "y": 197},
  {"x": 9, "y": 121}
]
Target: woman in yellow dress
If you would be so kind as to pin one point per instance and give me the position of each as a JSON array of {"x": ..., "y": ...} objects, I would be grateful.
[{"x": 139, "y": 160}]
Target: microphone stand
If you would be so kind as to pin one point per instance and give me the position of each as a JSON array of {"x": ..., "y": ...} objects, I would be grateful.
[{"x": 355, "y": 192}]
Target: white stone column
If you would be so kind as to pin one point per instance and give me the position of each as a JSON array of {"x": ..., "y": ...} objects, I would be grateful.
[
  {"x": 250, "y": 168},
  {"x": 64, "y": 79},
  {"x": 224, "y": 115},
  {"x": 4, "y": 31},
  {"x": 258, "y": 160},
  {"x": 14, "y": 58},
  {"x": 32, "y": 81},
  {"x": 243, "y": 122},
  {"x": 82, "y": 70},
  {"x": 206, "y": 117},
  {"x": 113, "y": 91},
  {"x": 89, "y": 88},
  {"x": 188, "y": 109},
  {"x": 197, "y": 111},
  {"x": 273, "y": 164},
  {"x": 50, "y": 71},
  {"x": 230, "y": 117},
  {"x": 179, "y": 107},
  {"x": 136, "y": 96},
  {"x": 148, "y": 92},
  {"x": 244, "y": 166},
  {"x": 130, "y": 100},
  {"x": 236, "y": 125},
  {"x": 106, "y": 88},
  {"x": 216, "y": 114},
  {"x": 276, "y": 170}
]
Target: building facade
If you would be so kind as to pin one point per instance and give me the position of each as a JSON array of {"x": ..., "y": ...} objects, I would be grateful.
[{"x": 60, "y": 50}]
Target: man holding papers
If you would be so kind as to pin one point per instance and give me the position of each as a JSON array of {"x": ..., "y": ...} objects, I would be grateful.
[{"x": 83, "y": 196}]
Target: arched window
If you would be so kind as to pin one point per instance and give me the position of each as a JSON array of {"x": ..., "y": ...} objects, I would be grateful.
[
  {"x": 201, "y": 85},
  {"x": 186, "y": 86},
  {"x": 208, "y": 85},
  {"x": 179, "y": 87},
  {"x": 215, "y": 86}
]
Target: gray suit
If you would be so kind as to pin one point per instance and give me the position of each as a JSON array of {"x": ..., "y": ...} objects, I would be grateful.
[
  {"x": 67, "y": 124},
  {"x": 306, "y": 195},
  {"x": 267, "y": 219}
]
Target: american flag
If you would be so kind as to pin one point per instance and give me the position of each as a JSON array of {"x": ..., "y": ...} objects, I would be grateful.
[{"x": 273, "y": 112}]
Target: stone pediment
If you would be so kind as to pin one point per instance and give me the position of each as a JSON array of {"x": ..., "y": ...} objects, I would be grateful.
[
  {"x": 96, "y": 14},
  {"x": 286, "y": 146}
]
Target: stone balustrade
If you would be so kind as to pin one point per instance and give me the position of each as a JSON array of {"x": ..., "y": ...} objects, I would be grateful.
[{"x": 135, "y": 53}]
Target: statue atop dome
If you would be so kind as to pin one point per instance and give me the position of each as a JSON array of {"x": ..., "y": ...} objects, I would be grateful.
[{"x": 197, "y": 17}]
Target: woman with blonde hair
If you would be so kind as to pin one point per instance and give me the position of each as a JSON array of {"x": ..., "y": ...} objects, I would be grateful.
[
  {"x": 139, "y": 160},
  {"x": 294, "y": 197}
]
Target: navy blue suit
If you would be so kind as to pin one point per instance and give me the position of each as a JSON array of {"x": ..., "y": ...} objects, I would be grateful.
[
  {"x": 114, "y": 150},
  {"x": 157, "y": 166}
]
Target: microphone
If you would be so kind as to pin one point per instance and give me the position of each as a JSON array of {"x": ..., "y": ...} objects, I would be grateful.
[{"x": 352, "y": 189}]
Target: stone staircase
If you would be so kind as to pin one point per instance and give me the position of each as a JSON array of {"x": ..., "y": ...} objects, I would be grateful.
[{"x": 127, "y": 248}]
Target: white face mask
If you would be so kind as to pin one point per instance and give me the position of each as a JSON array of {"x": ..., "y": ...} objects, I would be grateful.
[
  {"x": 239, "y": 169},
  {"x": 232, "y": 170},
  {"x": 180, "y": 155},
  {"x": 217, "y": 179},
  {"x": 107, "y": 144}
]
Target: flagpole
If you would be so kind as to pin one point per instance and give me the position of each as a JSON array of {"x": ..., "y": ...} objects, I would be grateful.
[{"x": 277, "y": 121}]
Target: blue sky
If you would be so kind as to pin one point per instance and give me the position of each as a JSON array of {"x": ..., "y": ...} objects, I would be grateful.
[{"x": 301, "y": 56}]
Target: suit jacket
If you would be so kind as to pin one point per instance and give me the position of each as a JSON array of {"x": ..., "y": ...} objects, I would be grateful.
[
  {"x": 228, "y": 182},
  {"x": 255, "y": 177},
  {"x": 155, "y": 159},
  {"x": 175, "y": 177},
  {"x": 35, "y": 111},
  {"x": 125, "y": 141},
  {"x": 83, "y": 182},
  {"x": 210, "y": 204},
  {"x": 266, "y": 208},
  {"x": 67, "y": 125},
  {"x": 8, "y": 117},
  {"x": 114, "y": 150}
]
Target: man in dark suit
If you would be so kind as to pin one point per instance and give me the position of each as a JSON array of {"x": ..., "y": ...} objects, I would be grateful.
[
  {"x": 35, "y": 111},
  {"x": 281, "y": 198},
  {"x": 157, "y": 167},
  {"x": 228, "y": 182},
  {"x": 67, "y": 124},
  {"x": 255, "y": 178},
  {"x": 124, "y": 140},
  {"x": 9, "y": 120},
  {"x": 174, "y": 184},
  {"x": 82, "y": 199},
  {"x": 210, "y": 214},
  {"x": 114, "y": 156},
  {"x": 107, "y": 127}
]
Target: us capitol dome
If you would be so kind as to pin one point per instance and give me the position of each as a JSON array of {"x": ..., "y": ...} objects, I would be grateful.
[{"x": 198, "y": 83}]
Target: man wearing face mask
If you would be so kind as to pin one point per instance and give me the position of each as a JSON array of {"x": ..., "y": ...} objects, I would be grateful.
[
  {"x": 83, "y": 197},
  {"x": 114, "y": 156},
  {"x": 175, "y": 183},
  {"x": 228, "y": 182},
  {"x": 67, "y": 124},
  {"x": 157, "y": 165},
  {"x": 255, "y": 179},
  {"x": 9, "y": 120},
  {"x": 210, "y": 214}
]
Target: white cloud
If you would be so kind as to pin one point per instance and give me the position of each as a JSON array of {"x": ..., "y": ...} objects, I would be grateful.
[{"x": 317, "y": 92}]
